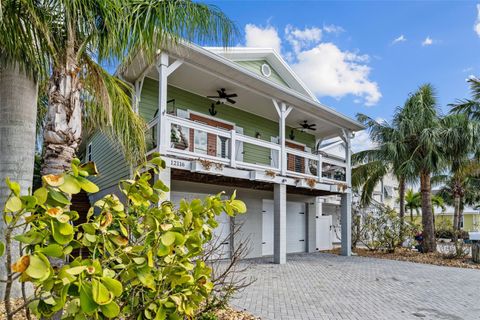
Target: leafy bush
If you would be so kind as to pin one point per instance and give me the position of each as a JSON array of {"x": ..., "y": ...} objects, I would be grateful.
[
  {"x": 140, "y": 259},
  {"x": 382, "y": 230},
  {"x": 207, "y": 316}
]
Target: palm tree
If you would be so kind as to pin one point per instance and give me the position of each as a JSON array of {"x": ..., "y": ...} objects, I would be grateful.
[
  {"x": 412, "y": 202},
  {"x": 419, "y": 125},
  {"x": 21, "y": 68},
  {"x": 88, "y": 34},
  {"x": 371, "y": 166}
]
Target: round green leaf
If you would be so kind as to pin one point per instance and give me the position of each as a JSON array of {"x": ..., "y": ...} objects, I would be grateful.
[
  {"x": 59, "y": 197},
  {"x": 110, "y": 310},
  {"x": 86, "y": 299},
  {"x": 53, "y": 250},
  {"x": 38, "y": 268},
  {"x": 87, "y": 185},
  {"x": 100, "y": 293},
  {"x": 113, "y": 285},
  {"x": 76, "y": 270},
  {"x": 168, "y": 238},
  {"x": 13, "y": 204},
  {"x": 41, "y": 194},
  {"x": 71, "y": 185},
  {"x": 14, "y": 186}
]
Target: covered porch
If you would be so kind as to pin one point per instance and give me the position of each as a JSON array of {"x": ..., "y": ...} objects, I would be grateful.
[{"x": 258, "y": 138}]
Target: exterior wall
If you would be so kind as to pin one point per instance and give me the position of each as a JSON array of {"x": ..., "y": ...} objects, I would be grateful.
[
  {"x": 250, "y": 123},
  {"x": 255, "y": 66},
  {"x": 110, "y": 162},
  {"x": 252, "y": 220}
]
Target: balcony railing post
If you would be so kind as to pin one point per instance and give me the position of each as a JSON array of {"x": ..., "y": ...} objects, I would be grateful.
[
  {"x": 320, "y": 168},
  {"x": 233, "y": 151}
]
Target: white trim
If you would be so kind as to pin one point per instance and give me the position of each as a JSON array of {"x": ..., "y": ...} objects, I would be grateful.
[{"x": 210, "y": 117}]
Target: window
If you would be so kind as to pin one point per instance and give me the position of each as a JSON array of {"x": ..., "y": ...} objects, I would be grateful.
[
  {"x": 389, "y": 191},
  {"x": 222, "y": 147},
  {"x": 201, "y": 142},
  {"x": 462, "y": 221},
  {"x": 89, "y": 152},
  {"x": 266, "y": 71}
]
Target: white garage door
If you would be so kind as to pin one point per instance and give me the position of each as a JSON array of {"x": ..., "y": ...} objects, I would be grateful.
[
  {"x": 221, "y": 233},
  {"x": 296, "y": 227}
]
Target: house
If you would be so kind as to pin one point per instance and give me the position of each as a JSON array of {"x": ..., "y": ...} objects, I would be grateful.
[{"x": 239, "y": 119}]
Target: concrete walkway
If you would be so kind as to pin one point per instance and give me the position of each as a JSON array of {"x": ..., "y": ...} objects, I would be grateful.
[{"x": 325, "y": 286}]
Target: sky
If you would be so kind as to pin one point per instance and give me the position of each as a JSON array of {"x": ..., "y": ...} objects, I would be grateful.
[{"x": 367, "y": 56}]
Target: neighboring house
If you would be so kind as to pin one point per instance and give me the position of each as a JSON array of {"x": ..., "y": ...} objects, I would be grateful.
[
  {"x": 385, "y": 192},
  {"x": 470, "y": 218},
  {"x": 239, "y": 120}
]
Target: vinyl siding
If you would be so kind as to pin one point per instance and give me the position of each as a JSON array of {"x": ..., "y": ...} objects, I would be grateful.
[
  {"x": 250, "y": 123},
  {"x": 110, "y": 162},
  {"x": 255, "y": 66}
]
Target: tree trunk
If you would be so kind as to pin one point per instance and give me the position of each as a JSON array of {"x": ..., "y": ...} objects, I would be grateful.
[
  {"x": 18, "y": 114},
  {"x": 63, "y": 127},
  {"x": 429, "y": 243},
  {"x": 411, "y": 215},
  {"x": 401, "y": 194}
]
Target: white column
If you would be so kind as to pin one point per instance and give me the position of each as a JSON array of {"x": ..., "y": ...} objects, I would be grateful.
[
  {"x": 162, "y": 136},
  {"x": 280, "y": 223},
  {"x": 233, "y": 151},
  {"x": 346, "y": 199},
  {"x": 283, "y": 112},
  {"x": 166, "y": 177}
]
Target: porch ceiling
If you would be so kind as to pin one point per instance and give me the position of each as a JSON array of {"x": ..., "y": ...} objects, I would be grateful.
[{"x": 203, "y": 83}]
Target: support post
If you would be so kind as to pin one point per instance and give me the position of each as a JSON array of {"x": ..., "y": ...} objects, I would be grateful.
[
  {"x": 162, "y": 66},
  {"x": 346, "y": 198},
  {"x": 283, "y": 112},
  {"x": 280, "y": 223},
  {"x": 166, "y": 177},
  {"x": 312, "y": 216},
  {"x": 233, "y": 151}
]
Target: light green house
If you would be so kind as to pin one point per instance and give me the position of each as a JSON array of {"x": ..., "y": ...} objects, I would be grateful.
[{"x": 240, "y": 120}]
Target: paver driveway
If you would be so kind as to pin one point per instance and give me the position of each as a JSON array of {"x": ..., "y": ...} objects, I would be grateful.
[{"x": 325, "y": 286}]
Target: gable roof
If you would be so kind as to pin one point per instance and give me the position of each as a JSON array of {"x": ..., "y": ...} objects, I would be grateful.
[{"x": 241, "y": 54}]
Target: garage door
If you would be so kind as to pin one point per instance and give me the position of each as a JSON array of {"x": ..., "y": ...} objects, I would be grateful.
[
  {"x": 296, "y": 227},
  {"x": 221, "y": 233}
]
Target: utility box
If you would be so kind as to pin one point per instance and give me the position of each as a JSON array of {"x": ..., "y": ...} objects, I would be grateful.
[{"x": 475, "y": 238}]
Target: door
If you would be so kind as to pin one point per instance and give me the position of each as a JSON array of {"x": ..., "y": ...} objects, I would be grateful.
[
  {"x": 209, "y": 143},
  {"x": 295, "y": 163},
  {"x": 323, "y": 234},
  {"x": 296, "y": 227},
  {"x": 221, "y": 234}
]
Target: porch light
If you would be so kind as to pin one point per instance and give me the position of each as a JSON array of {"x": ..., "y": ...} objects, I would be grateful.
[{"x": 258, "y": 135}]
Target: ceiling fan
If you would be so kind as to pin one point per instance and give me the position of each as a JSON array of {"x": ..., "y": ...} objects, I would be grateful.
[
  {"x": 224, "y": 97},
  {"x": 306, "y": 126}
]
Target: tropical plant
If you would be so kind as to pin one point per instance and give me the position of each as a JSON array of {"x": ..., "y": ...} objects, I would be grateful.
[
  {"x": 139, "y": 259},
  {"x": 420, "y": 129},
  {"x": 371, "y": 166},
  {"x": 88, "y": 34},
  {"x": 21, "y": 67},
  {"x": 412, "y": 202}
]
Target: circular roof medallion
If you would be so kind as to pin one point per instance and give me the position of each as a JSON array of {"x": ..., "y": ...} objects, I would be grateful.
[{"x": 266, "y": 71}]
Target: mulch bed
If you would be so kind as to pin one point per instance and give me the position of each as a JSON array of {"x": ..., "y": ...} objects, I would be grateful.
[
  {"x": 223, "y": 314},
  {"x": 403, "y": 254}
]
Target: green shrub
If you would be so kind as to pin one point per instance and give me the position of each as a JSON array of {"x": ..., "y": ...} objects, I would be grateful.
[
  {"x": 207, "y": 316},
  {"x": 140, "y": 259}
]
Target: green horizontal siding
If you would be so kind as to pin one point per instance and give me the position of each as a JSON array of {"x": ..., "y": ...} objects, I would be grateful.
[
  {"x": 110, "y": 162},
  {"x": 250, "y": 123},
  {"x": 149, "y": 99},
  {"x": 256, "y": 65}
]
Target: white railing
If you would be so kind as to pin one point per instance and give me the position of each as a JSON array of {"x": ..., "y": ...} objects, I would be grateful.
[{"x": 194, "y": 140}]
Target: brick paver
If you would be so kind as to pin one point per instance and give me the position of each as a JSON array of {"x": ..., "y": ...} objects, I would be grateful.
[{"x": 325, "y": 286}]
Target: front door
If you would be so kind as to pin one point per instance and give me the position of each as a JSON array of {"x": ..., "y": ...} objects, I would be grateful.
[
  {"x": 209, "y": 143},
  {"x": 295, "y": 163}
]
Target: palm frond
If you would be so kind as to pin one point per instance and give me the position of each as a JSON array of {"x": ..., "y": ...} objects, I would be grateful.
[{"x": 108, "y": 108}]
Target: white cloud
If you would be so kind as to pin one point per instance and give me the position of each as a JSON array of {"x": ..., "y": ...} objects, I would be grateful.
[
  {"x": 362, "y": 141},
  {"x": 300, "y": 39},
  {"x": 427, "y": 42},
  {"x": 262, "y": 37},
  {"x": 476, "y": 26},
  {"x": 328, "y": 71},
  {"x": 400, "y": 38},
  {"x": 331, "y": 28}
]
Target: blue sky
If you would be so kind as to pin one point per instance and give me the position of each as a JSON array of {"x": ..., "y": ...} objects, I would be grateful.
[{"x": 347, "y": 52}]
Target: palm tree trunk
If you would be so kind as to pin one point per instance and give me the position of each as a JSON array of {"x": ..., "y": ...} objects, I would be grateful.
[
  {"x": 411, "y": 215},
  {"x": 456, "y": 212},
  {"x": 18, "y": 112},
  {"x": 401, "y": 194},
  {"x": 63, "y": 127},
  {"x": 429, "y": 243}
]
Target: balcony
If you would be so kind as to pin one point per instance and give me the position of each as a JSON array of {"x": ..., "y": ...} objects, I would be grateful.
[{"x": 221, "y": 150}]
